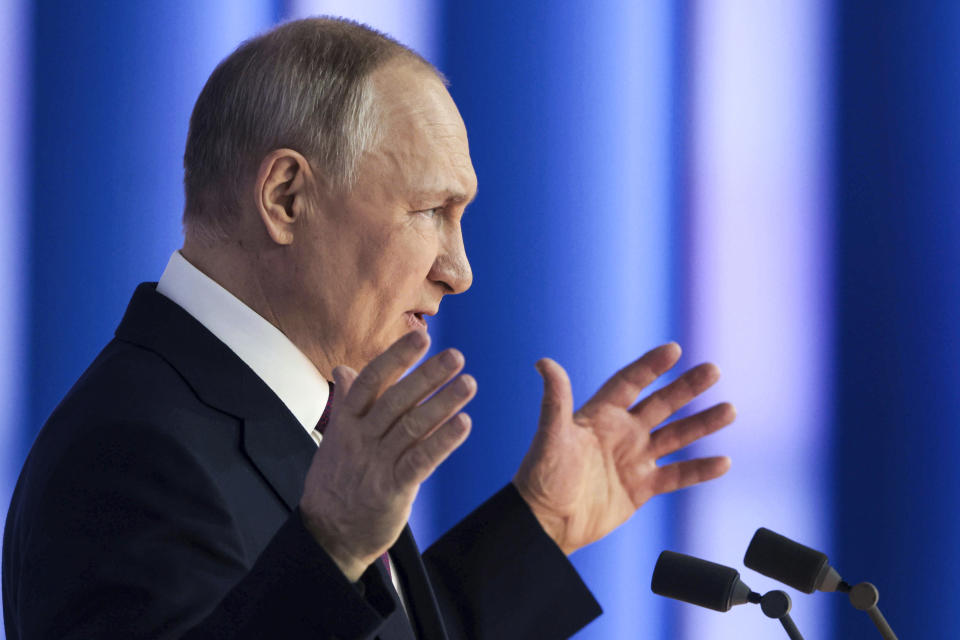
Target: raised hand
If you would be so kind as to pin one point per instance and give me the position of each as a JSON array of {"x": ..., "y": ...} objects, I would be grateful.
[
  {"x": 587, "y": 472},
  {"x": 383, "y": 440}
]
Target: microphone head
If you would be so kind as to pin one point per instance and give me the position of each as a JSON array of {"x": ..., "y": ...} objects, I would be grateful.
[
  {"x": 789, "y": 562},
  {"x": 699, "y": 582}
]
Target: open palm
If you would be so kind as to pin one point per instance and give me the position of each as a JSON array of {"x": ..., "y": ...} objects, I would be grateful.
[{"x": 587, "y": 472}]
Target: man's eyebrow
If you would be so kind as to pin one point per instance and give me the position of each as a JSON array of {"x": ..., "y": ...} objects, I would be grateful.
[{"x": 448, "y": 197}]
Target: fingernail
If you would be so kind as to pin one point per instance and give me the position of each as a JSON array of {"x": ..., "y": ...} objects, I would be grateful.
[
  {"x": 465, "y": 385},
  {"x": 450, "y": 359}
]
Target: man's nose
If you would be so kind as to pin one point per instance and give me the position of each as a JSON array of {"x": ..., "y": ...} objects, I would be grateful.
[{"x": 451, "y": 267}]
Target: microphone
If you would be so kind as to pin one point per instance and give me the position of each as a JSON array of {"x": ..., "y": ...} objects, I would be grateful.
[
  {"x": 699, "y": 582},
  {"x": 808, "y": 570},
  {"x": 714, "y": 586},
  {"x": 792, "y": 563}
]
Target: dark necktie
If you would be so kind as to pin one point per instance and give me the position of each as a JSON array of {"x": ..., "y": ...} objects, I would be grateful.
[
  {"x": 325, "y": 416},
  {"x": 321, "y": 426}
]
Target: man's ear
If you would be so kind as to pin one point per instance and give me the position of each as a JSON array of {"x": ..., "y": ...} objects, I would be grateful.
[{"x": 282, "y": 182}]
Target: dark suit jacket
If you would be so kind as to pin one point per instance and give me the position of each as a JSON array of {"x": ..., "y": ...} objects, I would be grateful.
[{"x": 160, "y": 500}]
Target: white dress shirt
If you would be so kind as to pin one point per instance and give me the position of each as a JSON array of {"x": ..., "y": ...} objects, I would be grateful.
[{"x": 261, "y": 346}]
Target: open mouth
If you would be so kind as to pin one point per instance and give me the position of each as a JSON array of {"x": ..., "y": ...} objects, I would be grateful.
[{"x": 416, "y": 320}]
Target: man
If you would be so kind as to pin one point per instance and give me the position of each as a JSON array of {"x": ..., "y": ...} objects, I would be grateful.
[{"x": 179, "y": 489}]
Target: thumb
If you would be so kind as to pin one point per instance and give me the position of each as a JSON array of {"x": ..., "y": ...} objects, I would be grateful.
[
  {"x": 343, "y": 378},
  {"x": 557, "y": 402}
]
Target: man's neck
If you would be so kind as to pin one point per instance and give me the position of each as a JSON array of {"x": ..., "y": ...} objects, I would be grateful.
[
  {"x": 230, "y": 267},
  {"x": 239, "y": 270}
]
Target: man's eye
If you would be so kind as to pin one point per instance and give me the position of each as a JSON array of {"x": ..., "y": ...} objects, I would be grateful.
[{"x": 431, "y": 213}]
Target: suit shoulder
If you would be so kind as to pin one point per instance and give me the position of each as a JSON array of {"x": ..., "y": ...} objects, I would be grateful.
[
  {"x": 128, "y": 379},
  {"x": 131, "y": 394},
  {"x": 130, "y": 413},
  {"x": 128, "y": 383}
]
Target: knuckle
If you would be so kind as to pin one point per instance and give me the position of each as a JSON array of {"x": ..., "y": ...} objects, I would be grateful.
[
  {"x": 688, "y": 381},
  {"x": 622, "y": 375},
  {"x": 409, "y": 425},
  {"x": 395, "y": 359},
  {"x": 369, "y": 379},
  {"x": 551, "y": 401},
  {"x": 448, "y": 435},
  {"x": 673, "y": 402},
  {"x": 414, "y": 464},
  {"x": 651, "y": 407},
  {"x": 376, "y": 378},
  {"x": 632, "y": 377},
  {"x": 390, "y": 404},
  {"x": 420, "y": 457},
  {"x": 453, "y": 395}
]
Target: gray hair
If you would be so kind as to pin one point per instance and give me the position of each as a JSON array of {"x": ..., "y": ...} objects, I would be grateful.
[{"x": 304, "y": 86}]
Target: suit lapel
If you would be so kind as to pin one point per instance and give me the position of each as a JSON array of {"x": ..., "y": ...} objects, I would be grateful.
[
  {"x": 281, "y": 455},
  {"x": 397, "y": 626},
  {"x": 424, "y": 610},
  {"x": 275, "y": 442},
  {"x": 273, "y": 439}
]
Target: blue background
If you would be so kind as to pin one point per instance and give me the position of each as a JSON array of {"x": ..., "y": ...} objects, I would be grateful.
[{"x": 598, "y": 222}]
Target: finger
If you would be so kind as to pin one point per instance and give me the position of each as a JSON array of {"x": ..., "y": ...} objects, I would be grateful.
[
  {"x": 626, "y": 384},
  {"x": 384, "y": 370},
  {"x": 557, "y": 400},
  {"x": 343, "y": 379},
  {"x": 680, "y": 475},
  {"x": 418, "y": 462},
  {"x": 402, "y": 397},
  {"x": 677, "y": 435},
  {"x": 659, "y": 406},
  {"x": 421, "y": 421}
]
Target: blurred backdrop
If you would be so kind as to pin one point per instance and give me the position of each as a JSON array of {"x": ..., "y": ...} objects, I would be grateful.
[{"x": 773, "y": 184}]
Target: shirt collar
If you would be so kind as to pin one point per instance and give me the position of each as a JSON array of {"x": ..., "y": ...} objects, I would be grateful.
[{"x": 261, "y": 346}]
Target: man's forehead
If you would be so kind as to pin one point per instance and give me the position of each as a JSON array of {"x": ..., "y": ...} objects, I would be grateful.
[
  {"x": 424, "y": 138},
  {"x": 408, "y": 92}
]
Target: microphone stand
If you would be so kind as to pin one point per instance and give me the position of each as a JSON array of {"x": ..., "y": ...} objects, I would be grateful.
[
  {"x": 714, "y": 586},
  {"x": 865, "y": 596},
  {"x": 776, "y": 604},
  {"x": 808, "y": 570}
]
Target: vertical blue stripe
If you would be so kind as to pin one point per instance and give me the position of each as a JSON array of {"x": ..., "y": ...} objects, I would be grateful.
[
  {"x": 113, "y": 87},
  {"x": 415, "y": 23},
  {"x": 759, "y": 287},
  {"x": 680, "y": 136},
  {"x": 14, "y": 171},
  {"x": 568, "y": 113},
  {"x": 14, "y": 168},
  {"x": 898, "y": 297}
]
